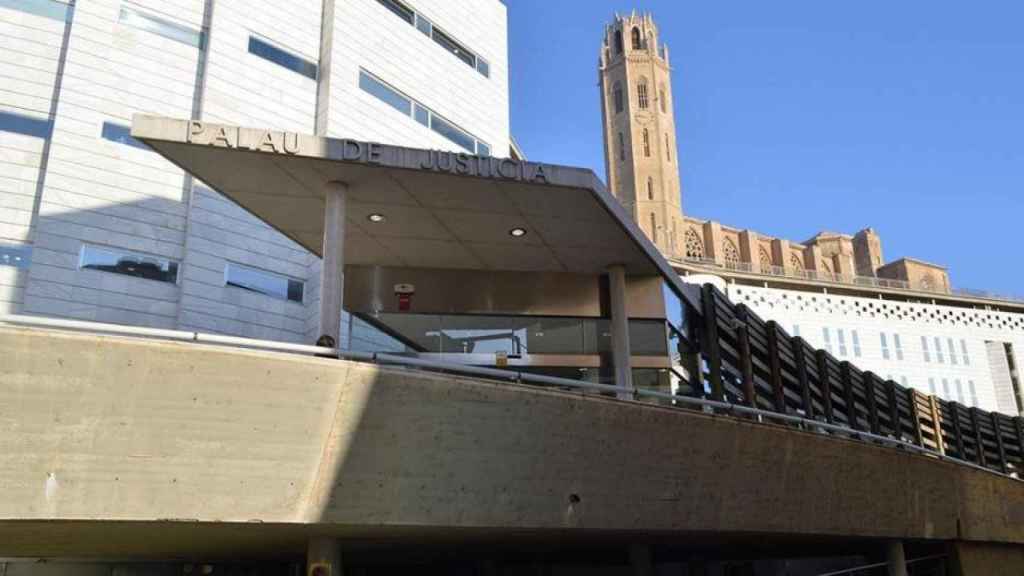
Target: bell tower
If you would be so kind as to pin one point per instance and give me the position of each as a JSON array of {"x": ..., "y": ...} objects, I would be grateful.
[{"x": 639, "y": 128}]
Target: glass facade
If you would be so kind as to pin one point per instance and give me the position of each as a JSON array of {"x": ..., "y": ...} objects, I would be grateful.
[
  {"x": 263, "y": 282},
  {"x": 278, "y": 56},
  {"x": 442, "y": 39},
  {"x": 45, "y": 8},
  {"x": 128, "y": 263},
  {"x": 162, "y": 27}
]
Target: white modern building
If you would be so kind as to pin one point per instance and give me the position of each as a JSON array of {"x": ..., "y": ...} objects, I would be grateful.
[{"x": 96, "y": 226}]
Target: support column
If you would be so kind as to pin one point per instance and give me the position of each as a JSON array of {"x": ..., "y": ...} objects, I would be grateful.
[
  {"x": 323, "y": 557},
  {"x": 331, "y": 282},
  {"x": 620, "y": 330},
  {"x": 896, "y": 558}
]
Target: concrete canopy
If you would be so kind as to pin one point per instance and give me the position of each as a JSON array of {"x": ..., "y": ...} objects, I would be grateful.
[{"x": 440, "y": 209}]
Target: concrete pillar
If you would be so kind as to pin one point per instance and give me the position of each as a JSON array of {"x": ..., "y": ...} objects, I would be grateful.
[
  {"x": 896, "y": 558},
  {"x": 781, "y": 253},
  {"x": 331, "y": 282},
  {"x": 323, "y": 557},
  {"x": 620, "y": 330},
  {"x": 713, "y": 241},
  {"x": 749, "y": 250}
]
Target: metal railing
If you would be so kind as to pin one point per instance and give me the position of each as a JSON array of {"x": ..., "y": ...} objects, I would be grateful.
[
  {"x": 881, "y": 568},
  {"x": 627, "y": 394},
  {"x": 866, "y": 281}
]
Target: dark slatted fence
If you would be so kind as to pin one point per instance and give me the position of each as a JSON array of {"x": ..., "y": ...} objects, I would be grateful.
[{"x": 758, "y": 364}]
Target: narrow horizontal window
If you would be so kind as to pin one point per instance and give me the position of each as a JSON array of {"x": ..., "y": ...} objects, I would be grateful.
[
  {"x": 482, "y": 149},
  {"x": 122, "y": 135},
  {"x": 16, "y": 256},
  {"x": 424, "y": 25},
  {"x": 422, "y": 115},
  {"x": 400, "y": 10},
  {"x": 45, "y": 8},
  {"x": 454, "y": 47},
  {"x": 483, "y": 67},
  {"x": 27, "y": 125},
  {"x": 129, "y": 264},
  {"x": 266, "y": 283},
  {"x": 385, "y": 93},
  {"x": 449, "y": 131},
  {"x": 162, "y": 27},
  {"x": 282, "y": 58}
]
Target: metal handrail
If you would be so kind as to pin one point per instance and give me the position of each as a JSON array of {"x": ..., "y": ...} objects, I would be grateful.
[
  {"x": 881, "y": 565},
  {"x": 495, "y": 373}
]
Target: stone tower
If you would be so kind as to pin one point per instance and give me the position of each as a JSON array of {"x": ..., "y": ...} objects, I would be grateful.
[{"x": 639, "y": 128}]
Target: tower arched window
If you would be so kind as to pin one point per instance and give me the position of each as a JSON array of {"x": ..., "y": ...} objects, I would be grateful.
[
  {"x": 694, "y": 245},
  {"x": 622, "y": 147},
  {"x": 765, "y": 259},
  {"x": 730, "y": 254},
  {"x": 618, "y": 41},
  {"x": 647, "y": 143},
  {"x": 661, "y": 98},
  {"x": 636, "y": 38},
  {"x": 641, "y": 93},
  {"x": 796, "y": 263},
  {"x": 654, "y": 229},
  {"x": 668, "y": 149},
  {"x": 650, "y": 188},
  {"x": 617, "y": 95}
]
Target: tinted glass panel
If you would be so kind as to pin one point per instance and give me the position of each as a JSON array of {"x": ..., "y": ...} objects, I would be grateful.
[
  {"x": 385, "y": 93},
  {"x": 454, "y": 47},
  {"x": 122, "y": 135},
  {"x": 45, "y": 8},
  {"x": 422, "y": 115},
  {"x": 483, "y": 67},
  {"x": 482, "y": 149},
  {"x": 16, "y": 256},
  {"x": 281, "y": 58},
  {"x": 400, "y": 10},
  {"x": 424, "y": 25},
  {"x": 452, "y": 133},
  {"x": 266, "y": 283},
  {"x": 162, "y": 27},
  {"x": 27, "y": 125},
  {"x": 129, "y": 264}
]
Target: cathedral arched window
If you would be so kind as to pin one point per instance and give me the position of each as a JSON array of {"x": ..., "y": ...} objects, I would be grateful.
[
  {"x": 636, "y": 38},
  {"x": 622, "y": 147},
  {"x": 641, "y": 93},
  {"x": 694, "y": 245},
  {"x": 618, "y": 41},
  {"x": 729, "y": 252},
  {"x": 765, "y": 259},
  {"x": 668, "y": 149},
  {"x": 647, "y": 143},
  {"x": 796, "y": 263},
  {"x": 661, "y": 98},
  {"x": 650, "y": 188},
  {"x": 617, "y": 95},
  {"x": 654, "y": 229}
]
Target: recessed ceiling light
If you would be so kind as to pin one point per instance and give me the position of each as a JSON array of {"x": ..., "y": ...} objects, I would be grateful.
[
  {"x": 375, "y": 217},
  {"x": 517, "y": 232}
]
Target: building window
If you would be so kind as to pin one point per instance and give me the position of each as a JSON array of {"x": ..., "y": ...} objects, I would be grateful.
[
  {"x": 730, "y": 254},
  {"x": 271, "y": 53},
  {"x": 128, "y": 263},
  {"x": 945, "y": 389},
  {"x": 959, "y": 392},
  {"x": 121, "y": 134},
  {"x": 162, "y": 27},
  {"x": 647, "y": 143},
  {"x": 618, "y": 41},
  {"x": 25, "y": 125},
  {"x": 899, "y": 346},
  {"x": 963, "y": 350},
  {"x": 764, "y": 258},
  {"x": 617, "y": 95},
  {"x": 841, "y": 336},
  {"x": 442, "y": 39},
  {"x": 924, "y": 349},
  {"x": 795, "y": 263},
  {"x": 45, "y": 8},
  {"x": 931, "y": 386},
  {"x": 668, "y": 149},
  {"x": 641, "y": 94},
  {"x": 856, "y": 343},
  {"x": 973, "y": 392},
  {"x": 694, "y": 245},
  {"x": 650, "y": 188},
  {"x": 425, "y": 116},
  {"x": 903, "y": 381},
  {"x": 938, "y": 351},
  {"x": 266, "y": 283},
  {"x": 17, "y": 256},
  {"x": 622, "y": 147},
  {"x": 952, "y": 352},
  {"x": 828, "y": 339},
  {"x": 885, "y": 346},
  {"x": 796, "y": 330},
  {"x": 654, "y": 229},
  {"x": 636, "y": 38},
  {"x": 662, "y": 101}
]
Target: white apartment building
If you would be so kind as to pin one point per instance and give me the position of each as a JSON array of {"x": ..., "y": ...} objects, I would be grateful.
[{"x": 95, "y": 226}]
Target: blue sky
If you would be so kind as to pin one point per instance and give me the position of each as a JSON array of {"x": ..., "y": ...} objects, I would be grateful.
[{"x": 796, "y": 116}]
